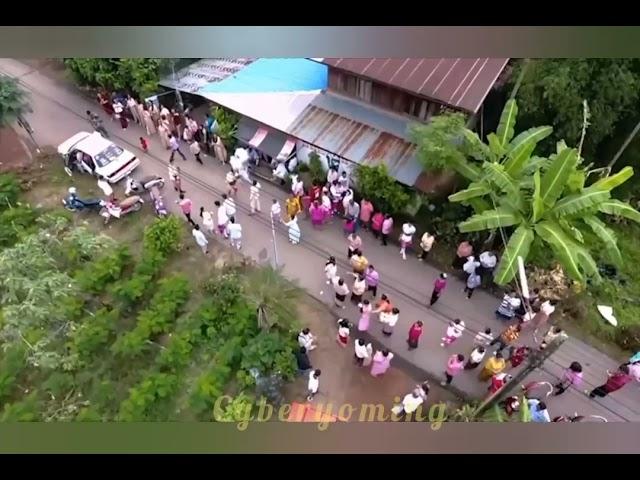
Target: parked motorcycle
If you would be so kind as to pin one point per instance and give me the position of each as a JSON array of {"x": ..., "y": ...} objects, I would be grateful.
[
  {"x": 76, "y": 204},
  {"x": 158, "y": 202},
  {"x": 137, "y": 187},
  {"x": 117, "y": 209}
]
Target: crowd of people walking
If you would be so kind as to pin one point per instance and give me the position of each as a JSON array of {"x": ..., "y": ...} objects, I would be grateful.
[{"x": 335, "y": 199}]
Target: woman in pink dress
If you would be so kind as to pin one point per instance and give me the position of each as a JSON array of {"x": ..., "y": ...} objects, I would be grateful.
[
  {"x": 455, "y": 365},
  {"x": 365, "y": 311},
  {"x": 318, "y": 214},
  {"x": 381, "y": 362}
]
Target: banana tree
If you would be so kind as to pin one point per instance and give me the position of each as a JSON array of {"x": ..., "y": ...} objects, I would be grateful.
[{"x": 539, "y": 198}]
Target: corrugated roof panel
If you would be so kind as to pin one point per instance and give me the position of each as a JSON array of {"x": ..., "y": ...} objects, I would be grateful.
[
  {"x": 355, "y": 134},
  {"x": 442, "y": 79}
]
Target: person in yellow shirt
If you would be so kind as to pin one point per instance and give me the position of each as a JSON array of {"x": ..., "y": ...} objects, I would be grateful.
[
  {"x": 359, "y": 262},
  {"x": 492, "y": 366},
  {"x": 293, "y": 206}
]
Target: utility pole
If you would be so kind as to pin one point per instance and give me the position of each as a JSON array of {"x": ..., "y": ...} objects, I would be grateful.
[
  {"x": 624, "y": 146},
  {"x": 175, "y": 84},
  {"x": 535, "y": 361},
  {"x": 276, "y": 263}
]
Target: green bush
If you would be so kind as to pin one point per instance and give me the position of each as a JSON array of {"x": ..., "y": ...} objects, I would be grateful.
[
  {"x": 93, "y": 333},
  {"x": 156, "y": 386},
  {"x": 163, "y": 235},
  {"x": 377, "y": 185},
  {"x": 227, "y": 126},
  {"x": 270, "y": 352},
  {"x": 16, "y": 222},
  {"x": 9, "y": 190},
  {"x": 12, "y": 364},
  {"x": 96, "y": 276},
  {"x": 316, "y": 170},
  {"x": 26, "y": 410},
  {"x": 172, "y": 294}
]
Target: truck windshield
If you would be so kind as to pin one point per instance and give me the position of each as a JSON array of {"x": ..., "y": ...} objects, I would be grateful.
[{"x": 108, "y": 155}]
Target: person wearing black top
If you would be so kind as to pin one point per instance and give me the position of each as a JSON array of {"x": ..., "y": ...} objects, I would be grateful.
[{"x": 302, "y": 359}]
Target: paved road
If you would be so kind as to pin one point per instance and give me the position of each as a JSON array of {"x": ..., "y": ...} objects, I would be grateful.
[{"x": 59, "y": 113}]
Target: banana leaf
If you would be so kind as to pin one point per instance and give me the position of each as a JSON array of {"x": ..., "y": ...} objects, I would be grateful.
[
  {"x": 495, "y": 173},
  {"x": 620, "y": 209},
  {"x": 490, "y": 219},
  {"x": 518, "y": 246},
  {"x": 495, "y": 146},
  {"x": 555, "y": 178},
  {"x": 473, "y": 191},
  {"x": 537, "y": 204},
  {"x": 563, "y": 246},
  {"x": 606, "y": 236},
  {"x": 466, "y": 169},
  {"x": 579, "y": 202},
  {"x": 506, "y": 127},
  {"x": 521, "y": 148},
  {"x": 477, "y": 148},
  {"x": 612, "y": 181}
]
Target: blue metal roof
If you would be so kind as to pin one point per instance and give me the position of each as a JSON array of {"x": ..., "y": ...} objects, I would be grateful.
[{"x": 273, "y": 75}]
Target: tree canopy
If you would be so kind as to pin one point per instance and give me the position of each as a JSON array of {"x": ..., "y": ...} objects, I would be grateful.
[
  {"x": 14, "y": 101},
  {"x": 553, "y": 89},
  {"x": 140, "y": 75}
]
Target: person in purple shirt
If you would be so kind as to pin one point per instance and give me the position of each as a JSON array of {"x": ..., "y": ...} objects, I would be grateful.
[
  {"x": 175, "y": 147},
  {"x": 372, "y": 278},
  {"x": 438, "y": 287}
]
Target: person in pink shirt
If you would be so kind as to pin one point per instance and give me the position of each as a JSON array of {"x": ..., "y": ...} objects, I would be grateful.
[
  {"x": 376, "y": 224},
  {"x": 366, "y": 210},
  {"x": 455, "y": 365},
  {"x": 381, "y": 362},
  {"x": 185, "y": 206},
  {"x": 571, "y": 376},
  {"x": 387, "y": 226},
  {"x": 318, "y": 214},
  {"x": 438, "y": 287}
]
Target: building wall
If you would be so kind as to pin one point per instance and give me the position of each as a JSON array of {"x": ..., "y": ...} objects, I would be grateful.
[{"x": 382, "y": 95}]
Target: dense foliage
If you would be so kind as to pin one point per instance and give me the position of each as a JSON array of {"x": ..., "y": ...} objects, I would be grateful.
[
  {"x": 14, "y": 101},
  {"x": 553, "y": 89},
  {"x": 92, "y": 332},
  {"x": 377, "y": 185},
  {"x": 540, "y": 200},
  {"x": 138, "y": 75}
]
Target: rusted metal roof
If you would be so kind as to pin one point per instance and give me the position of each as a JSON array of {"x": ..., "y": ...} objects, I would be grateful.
[
  {"x": 461, "y": 83},
  {"x": 358, "y": 133}
]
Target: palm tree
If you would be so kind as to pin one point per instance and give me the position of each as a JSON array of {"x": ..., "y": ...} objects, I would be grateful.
[
  {"x": 274, "y": 297},
  {"x": 14, "y": 101},
  {"x": 539, "y": 200}
]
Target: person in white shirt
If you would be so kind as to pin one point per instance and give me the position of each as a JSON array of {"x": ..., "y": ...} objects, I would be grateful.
[
  {"x": 343, "y": 181},
  {"x": 358, "y": 288},
  {"x": 223, "y": 219},
  {"x": 314, "y": 384},
  {"x": 280, "y": 172},
  {"x": 475, "y": 358},
  {"x": 410, "y": 403},
  {"x": 207, "y": 221},
  {"x": 133, "y": 109},
  {"x": 330, "y": 270},
  {"x": 454, "y": 332},
  {"x": 406, "y": 238},
  {"x": 276, "y": 210},
  {"x": 541, "y": 318},
  {"x": 426, "y": 243},
  {"x": 297, "y": 186},
  {"x": 201, "y": 240},
  {"x": 194, "y": 147},
  {"x": 362, "y": 352},
  {"x": 235, "y": 233},
  {"x": 229, "y": 204},
  {"x": 254, "y": 197},
  {"x": 470, "y": 265},
  {"x": 104, "y": 185},
  {"x": 306, "y": 339},
  {"x": 483, "y": 339},
  {"x": 389, "y": 321},
  {"x": 488, "y": 262}
]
